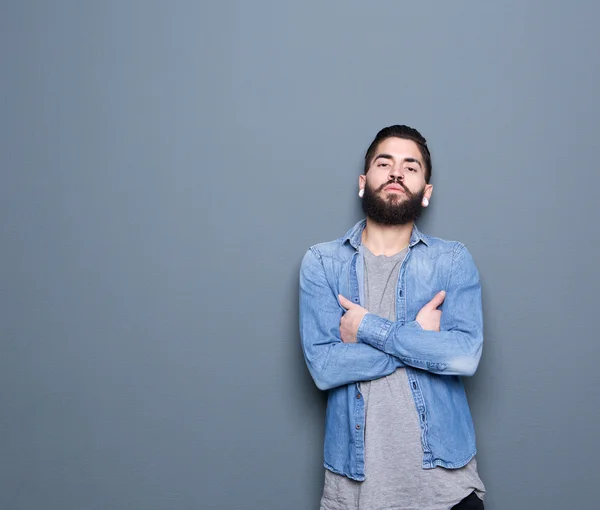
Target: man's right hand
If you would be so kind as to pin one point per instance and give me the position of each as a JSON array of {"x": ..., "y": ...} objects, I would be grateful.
[{"x": 429, "y": 316}]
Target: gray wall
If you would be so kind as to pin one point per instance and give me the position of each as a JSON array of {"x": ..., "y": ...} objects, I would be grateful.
[{"x": 165, "y": 165}]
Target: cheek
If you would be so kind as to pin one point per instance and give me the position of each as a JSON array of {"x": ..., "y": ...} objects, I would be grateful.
[
  {"x": 376, "y": 179},
  {"x": 415, "y": 183}
]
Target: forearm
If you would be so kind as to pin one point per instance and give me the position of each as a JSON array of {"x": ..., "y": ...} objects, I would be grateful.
[
  {"x": 456, "y": 348},
  {"x": 330, "y": 361},
  {"x": 453, "y": 352},
  {"x": 338, "y": 363}
]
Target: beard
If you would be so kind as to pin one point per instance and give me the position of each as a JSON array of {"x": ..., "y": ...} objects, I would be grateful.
[{"x": 393, "y": 210}]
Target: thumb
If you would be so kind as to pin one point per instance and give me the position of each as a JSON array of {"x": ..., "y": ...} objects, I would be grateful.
[
  {"x": 437, "y": 300},
  {"x": 346, "y": 303}
]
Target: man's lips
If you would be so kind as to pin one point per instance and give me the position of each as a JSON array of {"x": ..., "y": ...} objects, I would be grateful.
[{"x": 394, "y": 187}]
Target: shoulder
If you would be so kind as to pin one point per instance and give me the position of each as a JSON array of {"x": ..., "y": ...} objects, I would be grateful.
[
  {"x": 325, "y": 261},
  {"x": 330, "y": 256},
  {"x": 460, "y": 260},
  {"x": 455, "y": 252},
  {"x": 329, "y": 248},
  {"x": 340, "y": 249},
  {"x": 435, "y": 246}
]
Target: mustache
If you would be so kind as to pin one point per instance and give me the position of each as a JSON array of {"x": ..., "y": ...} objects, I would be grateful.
[{"x": 394, "y": 181}]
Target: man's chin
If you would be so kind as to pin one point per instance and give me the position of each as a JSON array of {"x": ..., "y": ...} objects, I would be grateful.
[{"x": 394, "y": 197}]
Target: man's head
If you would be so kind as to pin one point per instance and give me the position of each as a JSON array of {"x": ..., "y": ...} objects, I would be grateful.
[{"x": 396, "y": 179}]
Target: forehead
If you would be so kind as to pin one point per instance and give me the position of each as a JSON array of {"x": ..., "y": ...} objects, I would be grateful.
[{"x": 399, "y": 148}]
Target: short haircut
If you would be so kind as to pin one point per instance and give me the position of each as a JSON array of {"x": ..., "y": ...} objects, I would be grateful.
[{"x": 407, "y": 133}]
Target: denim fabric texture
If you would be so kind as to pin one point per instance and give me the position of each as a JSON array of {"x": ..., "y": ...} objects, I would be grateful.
[{"x": 435, "y": 361}]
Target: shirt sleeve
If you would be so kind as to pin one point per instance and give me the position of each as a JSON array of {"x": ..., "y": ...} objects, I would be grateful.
[
  {"x": 456, "y": 349},
  {"x": 330, "y": 361}
]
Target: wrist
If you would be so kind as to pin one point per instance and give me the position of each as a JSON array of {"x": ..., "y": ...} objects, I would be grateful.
[{"x": 373, "y": 330}]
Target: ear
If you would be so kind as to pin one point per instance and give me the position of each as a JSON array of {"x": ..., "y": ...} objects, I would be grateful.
[
  {"x": 428, "y": 191},
  {"x": 362, "y": 181}
]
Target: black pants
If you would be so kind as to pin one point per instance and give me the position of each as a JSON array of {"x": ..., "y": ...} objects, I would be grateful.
[{"x": 471, "y": 502}]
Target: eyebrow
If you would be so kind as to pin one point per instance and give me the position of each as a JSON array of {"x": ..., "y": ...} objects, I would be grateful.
[{"x": 405, "y": 160}]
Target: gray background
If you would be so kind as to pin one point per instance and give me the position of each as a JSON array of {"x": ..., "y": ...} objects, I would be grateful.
[{"x": 165, "y": 165}]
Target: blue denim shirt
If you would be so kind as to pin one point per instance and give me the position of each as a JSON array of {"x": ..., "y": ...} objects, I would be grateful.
[{"x": 434, "y": 361}]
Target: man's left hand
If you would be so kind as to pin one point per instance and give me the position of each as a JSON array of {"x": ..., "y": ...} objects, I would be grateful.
[{"x": 351, "y": 319}]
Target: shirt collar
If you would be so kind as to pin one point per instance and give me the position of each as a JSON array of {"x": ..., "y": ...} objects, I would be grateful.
[{"x": 354, "y": 235}]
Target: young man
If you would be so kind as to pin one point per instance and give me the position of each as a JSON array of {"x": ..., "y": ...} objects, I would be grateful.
[{"x": 390, "y": 320}]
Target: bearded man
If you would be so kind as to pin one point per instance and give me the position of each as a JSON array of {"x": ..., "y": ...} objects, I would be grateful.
[{"x": 390, "y": 320}]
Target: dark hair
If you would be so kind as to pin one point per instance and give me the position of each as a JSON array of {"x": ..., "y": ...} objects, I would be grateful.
[{"x": 407, "y": 133}]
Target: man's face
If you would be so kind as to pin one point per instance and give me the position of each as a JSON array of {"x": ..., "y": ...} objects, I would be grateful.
[{"x": 395, "y": 183}]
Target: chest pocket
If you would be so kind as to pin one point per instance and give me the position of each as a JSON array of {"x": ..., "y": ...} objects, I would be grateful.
[{"x": 423, "y": 278}]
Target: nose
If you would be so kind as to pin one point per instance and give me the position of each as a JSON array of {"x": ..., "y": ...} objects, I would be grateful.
[{"x": 396, "y": 172}]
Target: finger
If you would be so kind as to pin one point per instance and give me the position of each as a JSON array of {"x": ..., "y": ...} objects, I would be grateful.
[
  {"x": 437, "y": 300},
  {"x": 346, "y": 303}
]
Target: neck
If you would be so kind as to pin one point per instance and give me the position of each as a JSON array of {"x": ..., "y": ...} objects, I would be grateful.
[{"x": 386, "y": 239}]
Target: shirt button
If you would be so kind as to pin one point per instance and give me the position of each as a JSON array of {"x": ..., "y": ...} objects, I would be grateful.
[
  {"x": 358, "y": 395},
  {"x": 357, "y": 426}
]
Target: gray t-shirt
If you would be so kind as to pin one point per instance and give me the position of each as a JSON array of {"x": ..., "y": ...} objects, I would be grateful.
[{"x": 394, "y": 476}]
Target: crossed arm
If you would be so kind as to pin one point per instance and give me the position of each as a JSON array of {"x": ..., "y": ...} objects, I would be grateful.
[{"x": 342, "y": 347}]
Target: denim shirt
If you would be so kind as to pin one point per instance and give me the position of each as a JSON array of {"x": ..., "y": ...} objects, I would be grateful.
[{"x": 434, "y": 361}]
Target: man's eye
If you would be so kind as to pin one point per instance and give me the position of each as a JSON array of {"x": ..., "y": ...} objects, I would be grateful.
[
  {"x": 412, "y": 169},
  {"x": 383, "y": 164}
]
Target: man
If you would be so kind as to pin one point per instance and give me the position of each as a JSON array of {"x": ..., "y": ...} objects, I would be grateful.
[{"x": 390, "y": 319}]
